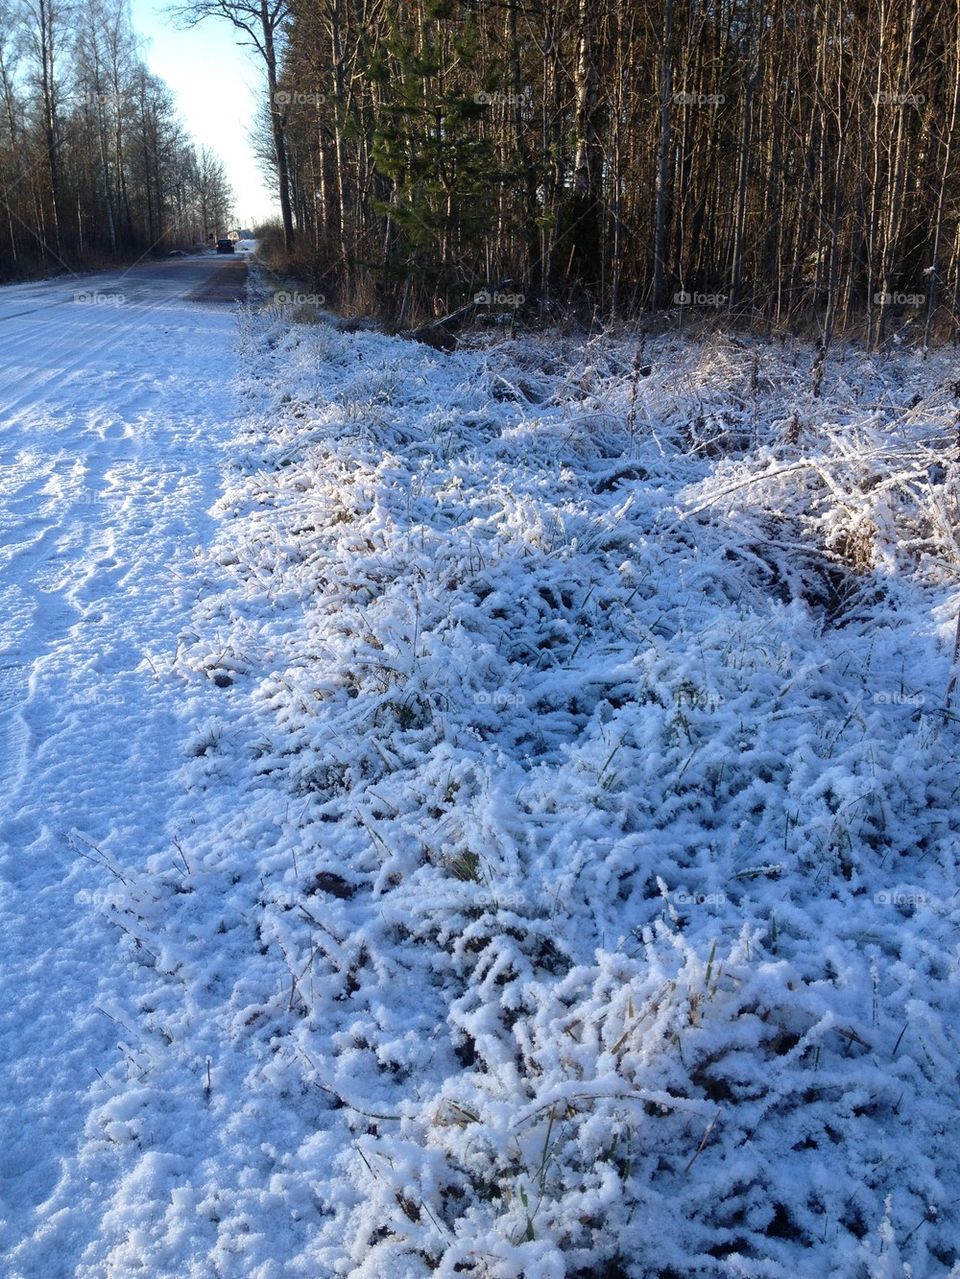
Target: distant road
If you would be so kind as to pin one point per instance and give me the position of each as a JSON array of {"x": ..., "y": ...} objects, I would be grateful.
[{"x": 204, "y": 278}]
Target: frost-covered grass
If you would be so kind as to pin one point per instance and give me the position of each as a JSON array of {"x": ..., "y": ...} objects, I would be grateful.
[{"x": 567, "y": 885}]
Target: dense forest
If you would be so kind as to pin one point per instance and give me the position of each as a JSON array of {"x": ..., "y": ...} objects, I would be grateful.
[
  {"x": 94, "y": 164},
  {"x": 792, "y": 163}
]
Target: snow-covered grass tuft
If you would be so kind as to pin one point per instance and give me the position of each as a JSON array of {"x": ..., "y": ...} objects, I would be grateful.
[{"x": 568, "y": 884}]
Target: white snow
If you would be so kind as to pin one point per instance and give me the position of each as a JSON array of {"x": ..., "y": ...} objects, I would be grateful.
[
  {"x": 520, "y": 840},
  {"x": 113, "y": 417}
]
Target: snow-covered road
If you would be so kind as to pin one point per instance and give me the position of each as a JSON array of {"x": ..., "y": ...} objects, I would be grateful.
[{"x": 114, "y": 403}]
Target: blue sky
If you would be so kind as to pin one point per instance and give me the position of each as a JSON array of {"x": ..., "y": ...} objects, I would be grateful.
[{"x": 217, "y": 86}]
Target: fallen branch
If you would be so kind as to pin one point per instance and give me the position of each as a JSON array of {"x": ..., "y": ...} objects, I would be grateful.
[{"x": 442, "y": 333}]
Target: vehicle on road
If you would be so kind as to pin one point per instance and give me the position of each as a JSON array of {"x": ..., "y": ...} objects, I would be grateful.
[{"x": 226, "y": 246}]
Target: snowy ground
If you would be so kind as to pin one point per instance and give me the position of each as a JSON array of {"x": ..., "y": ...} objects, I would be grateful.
[
  {"x": 115, "y": 402},
  {"x": 520, "y": 841}
]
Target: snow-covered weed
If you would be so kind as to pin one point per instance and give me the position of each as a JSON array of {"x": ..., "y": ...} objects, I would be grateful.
[{"x": 578, "y": 890}]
